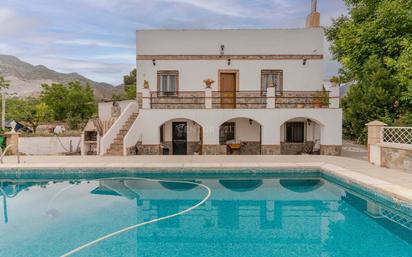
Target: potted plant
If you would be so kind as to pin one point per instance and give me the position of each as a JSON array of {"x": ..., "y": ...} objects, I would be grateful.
[
  {"x": 321, "y": 98},
  {"x": 334, "y": 81},
  {"x": 208, "y": 83},
  {"x": 145, "y": 84}
]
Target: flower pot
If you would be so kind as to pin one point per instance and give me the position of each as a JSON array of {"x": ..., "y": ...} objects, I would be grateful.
[
  {"x": 208, "y": 83},
  {"x": 317, "y": 103}
]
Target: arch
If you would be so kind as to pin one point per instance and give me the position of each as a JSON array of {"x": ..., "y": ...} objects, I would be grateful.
[
  {"x": 301, "y": 185},
  {"x": 162, "y": 122},
  {"x": 226, "y": 119},
  {"x": 241, "y": 135},
  {"x": 283, "y": 121},
  {"x": 178, "y": 186},
  {"x": 301, "y": 135},
  {"x": 241, "y": 185},
  {"x": 180, "y": 136}
]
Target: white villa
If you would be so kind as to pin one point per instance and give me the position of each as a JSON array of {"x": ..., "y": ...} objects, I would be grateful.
[{"x": 237, "y": 91}]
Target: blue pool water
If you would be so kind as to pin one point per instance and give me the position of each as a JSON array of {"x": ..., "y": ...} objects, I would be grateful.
[{"x": 47, "y": 215}]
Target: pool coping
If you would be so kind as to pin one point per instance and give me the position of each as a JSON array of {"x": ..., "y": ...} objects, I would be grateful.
[{"x": 396, "y": 192}]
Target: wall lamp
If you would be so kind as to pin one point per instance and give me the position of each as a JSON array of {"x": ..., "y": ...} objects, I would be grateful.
[
  {"x": 222, "y": 49},
  {"x": 154, "y": 62},
  {"x": 250, "y": 121},
  {"x": 304, "y": 60},
  {"x": 309, "y": 121},
  {"x": 228, "y": 62}
]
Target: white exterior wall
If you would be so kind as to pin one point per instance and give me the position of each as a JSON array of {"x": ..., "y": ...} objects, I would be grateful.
[
  {"x": 47, "y": 145},
  {"x": 146, "y": 127},
  {"x": 244, "y": 131},
  {"x": 236, "y": 41},
  {"x": 105, "y": 108},
  {"x": 296, "y": 76},
  {"x": 375, "y": 154},
  {"x": 326, "y": 125}
]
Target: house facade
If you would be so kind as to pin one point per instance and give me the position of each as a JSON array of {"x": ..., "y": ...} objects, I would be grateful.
[{"x": 237, "y": 91}]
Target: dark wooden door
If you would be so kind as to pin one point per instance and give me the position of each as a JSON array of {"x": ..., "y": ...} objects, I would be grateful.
[
  {"x": 228, "y": 90},
  {"x": 179, "y": 138}
]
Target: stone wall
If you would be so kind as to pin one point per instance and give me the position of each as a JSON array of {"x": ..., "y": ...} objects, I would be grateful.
[
  {"x": 148, "y": 149},
  {"x": 250, "y": 148},
  {"x": 291, "y": 148},
  {"x": 396, "y": 158},
  {"x": 297, "y": 100},
  {"x": 183, "y": 100},
  {"x": 334, "y": 150},
  {"x": 139, "y": 98},
  {"x": 270, "y": 149},
  {"x": 192, "y": 147},
  {"x": 244, "y": 100},
  {"x": 214, "y": 150},
  {"x": 168, "y": 145}
]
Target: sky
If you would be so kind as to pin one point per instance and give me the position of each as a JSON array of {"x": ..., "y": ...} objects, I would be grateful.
[{"x": 96, "y": 38}]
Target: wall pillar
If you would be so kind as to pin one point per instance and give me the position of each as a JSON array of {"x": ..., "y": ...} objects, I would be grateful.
[
  {"x": 211, "y": 144},
  {"x": 146, "y": 101},
  {"x": 374, "y": 139},
  {"x": 208, "y": 98},
  {"x": 334, "y": 97},
  {"x": 270, "y": 139},
  {"x": 12, "y": 138},
  {"x": 270, "y": 98}
]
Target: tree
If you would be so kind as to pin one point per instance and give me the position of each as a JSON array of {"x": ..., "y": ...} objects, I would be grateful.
[
  {"x": 55, "y": 96},
  {"x": 81, "y": 104},
  {"x": 129, "y": 91},
  {"x": 74, "y": 103},
  {"x": 28, "y": 111},
  {"x": 374, "y": 46},
  {"x": 4, "y": 83}
]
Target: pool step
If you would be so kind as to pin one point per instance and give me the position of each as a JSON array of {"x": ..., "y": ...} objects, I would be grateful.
[{"x": 116, "y": 148}]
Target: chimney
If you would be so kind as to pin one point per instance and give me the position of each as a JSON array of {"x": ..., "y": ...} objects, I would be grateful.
[{"x": 313, "y": 19}]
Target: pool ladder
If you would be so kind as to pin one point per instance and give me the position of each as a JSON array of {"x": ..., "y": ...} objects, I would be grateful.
[{"x": 3, "y": 153}]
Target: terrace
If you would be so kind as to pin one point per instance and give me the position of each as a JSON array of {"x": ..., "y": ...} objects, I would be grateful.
[{"x": 209, "y": 99}]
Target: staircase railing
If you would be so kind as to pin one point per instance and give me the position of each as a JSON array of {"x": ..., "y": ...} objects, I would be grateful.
[
  {"x": 111, "y": 134},
  {"x": 3, "y": 153}
]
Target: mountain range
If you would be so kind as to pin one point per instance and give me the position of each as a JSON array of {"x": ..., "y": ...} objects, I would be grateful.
[{"x": 26, "y": 79}]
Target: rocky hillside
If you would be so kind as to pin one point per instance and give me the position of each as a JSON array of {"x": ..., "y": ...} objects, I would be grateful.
[{"x": 26, "y": 79}]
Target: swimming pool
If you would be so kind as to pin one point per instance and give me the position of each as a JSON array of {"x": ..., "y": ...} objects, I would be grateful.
[{"x": 282, "y": 213}]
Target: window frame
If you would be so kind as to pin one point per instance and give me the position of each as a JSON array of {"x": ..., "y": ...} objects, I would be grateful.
[
  {"x": 271, "y": 72},
  {"x": 224, "y": 139},
  {"x": 161, "y": 73},
  {"x": 291, "y": 140}
]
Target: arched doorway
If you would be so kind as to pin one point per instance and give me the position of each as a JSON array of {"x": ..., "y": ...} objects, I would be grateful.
[
  {"x": 300, "y": 136},
  {"x": 241, "y": 136},
  {"x": 181, "y": 137}
]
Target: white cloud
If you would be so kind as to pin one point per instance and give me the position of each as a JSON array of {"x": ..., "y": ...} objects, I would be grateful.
[
  {"x": 12, "y": 24},
  {"x": 8, "y": 49},
  {"x": 110, "y": 72},
  {"x": 5, "y": 14},
  {"x": 91, "y": 42},
  {"x": 96, "y": 37},
  {"x": 219, "y": 7}
]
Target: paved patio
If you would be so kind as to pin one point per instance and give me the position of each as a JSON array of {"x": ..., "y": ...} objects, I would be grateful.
[{"x": 395, "y": 183}]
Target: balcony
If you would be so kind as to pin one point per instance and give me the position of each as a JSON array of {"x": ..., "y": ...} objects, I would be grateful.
[{"x": 209, "y": 99}]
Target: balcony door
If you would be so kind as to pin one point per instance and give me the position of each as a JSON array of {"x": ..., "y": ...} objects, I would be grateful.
[{"x": 228, "y": 81}]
